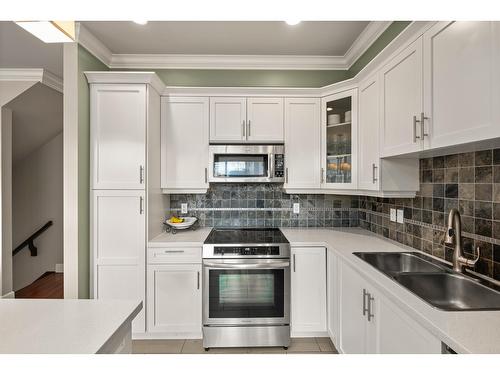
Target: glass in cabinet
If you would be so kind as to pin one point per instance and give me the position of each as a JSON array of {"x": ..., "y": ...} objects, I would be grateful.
[{"x": 339, "y": 135}]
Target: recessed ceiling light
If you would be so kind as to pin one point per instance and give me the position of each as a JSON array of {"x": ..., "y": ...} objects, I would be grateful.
[
  {"x": 292, "y": 22},
  {"x": 50, "y": 31},
  {"x": 141, "y": 22}
]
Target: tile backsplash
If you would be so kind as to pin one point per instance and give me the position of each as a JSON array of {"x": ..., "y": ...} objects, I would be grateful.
[
  {"x": 266, "y": 205},
  {"x": 467, "y": 181}
]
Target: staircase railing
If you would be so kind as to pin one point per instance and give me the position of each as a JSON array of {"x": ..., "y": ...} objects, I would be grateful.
[{"x": 29, "y": 241}]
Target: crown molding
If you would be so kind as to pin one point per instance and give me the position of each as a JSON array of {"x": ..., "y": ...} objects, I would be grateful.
[
  {"x": 232, "y": 62},
  {"x": 236, "y": 62},
  {"x": 367, "y": 37},
  {"x": 33, "y": 75},
  {"x": 149, "y": 78},
  {"x": 92, "y": 44}
]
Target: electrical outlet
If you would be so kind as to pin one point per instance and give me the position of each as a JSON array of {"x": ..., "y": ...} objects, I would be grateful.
[
  {"x": 296, "y": 208},
  {"x": 400, "y": 216},
  {"x": 184, "y": 208},
  {"x": 393, "y": 214}
]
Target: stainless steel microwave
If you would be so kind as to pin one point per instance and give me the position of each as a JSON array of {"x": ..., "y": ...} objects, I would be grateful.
[{"x": 246, "y": 163}]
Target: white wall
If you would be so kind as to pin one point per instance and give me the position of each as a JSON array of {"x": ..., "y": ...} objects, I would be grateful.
[
  {"x": 6, "y": 201},
  {"x": 37, "y": 183}
]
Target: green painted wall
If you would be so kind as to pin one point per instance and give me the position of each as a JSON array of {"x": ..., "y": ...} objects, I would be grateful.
[
  {"x": 382, "y": 41},
  {"x": 86, "y": 62}
]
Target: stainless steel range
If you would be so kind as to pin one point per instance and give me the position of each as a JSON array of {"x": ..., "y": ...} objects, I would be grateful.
[{"x": 246, "y": 288}]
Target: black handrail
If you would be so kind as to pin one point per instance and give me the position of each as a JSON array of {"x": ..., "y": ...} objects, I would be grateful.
[{"x": 29, "y": 241}]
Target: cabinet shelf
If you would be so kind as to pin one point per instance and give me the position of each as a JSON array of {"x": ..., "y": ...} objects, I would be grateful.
[
  {"x": 340, "y": 124},
  {"x": 337, "y": 156}
]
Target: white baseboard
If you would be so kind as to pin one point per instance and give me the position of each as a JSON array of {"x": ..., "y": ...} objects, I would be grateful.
[
  {"x": 59, "y": 268},
  {"x": 9, "y": 295},
  {"x": 167, "y": 336},
  {"x": 308, "y": 334}
]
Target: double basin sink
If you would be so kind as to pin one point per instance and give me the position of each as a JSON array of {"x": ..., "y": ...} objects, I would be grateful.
[{"x": 435, "y": 282}]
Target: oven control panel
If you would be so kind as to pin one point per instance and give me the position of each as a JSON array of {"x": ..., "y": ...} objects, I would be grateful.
[
  {"x": 279, "y": 165},
  {"x": 244, "y": 250}
]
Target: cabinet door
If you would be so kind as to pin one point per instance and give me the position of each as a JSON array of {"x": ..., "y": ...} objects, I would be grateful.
[
  {"x": 397, "y": 333},
  {"x": 184, "y": 133},
  {"x": 228, "y": 119},
  {"x": 265, "y": 120},
  {"x": 302, "y": 139},
  {"x": 119, "y": 247},
  {"x": 339, "y": 140},
  {"x": 332, "y": 298},
  {"x": 459, "y": 78},
  {"x": 118, "y": 136},
  {"x": 308, "y": 291},
  {"x": 368, "y": 161},
  {"x": 353, "y": 322},
  {"x": 174, "y": 299},
  {"x": 401, "y": 100}
]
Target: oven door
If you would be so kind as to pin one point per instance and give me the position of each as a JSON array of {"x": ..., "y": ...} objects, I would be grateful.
[{"x": 246, "y": 292}]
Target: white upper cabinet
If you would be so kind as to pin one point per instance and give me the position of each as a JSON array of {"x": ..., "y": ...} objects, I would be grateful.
[
  {"x": 184, "y": 136},
  {"x": 460, "y": 76},
  {"x": 265, "y": 120},
  {"x": 368, "y": 158},
  {"x": 246, "y": 120},
  {"x": 401, "y": 102},
  {"x": 302, "y": 143},
  {"x": 308, "y": 291},
  {"x": 339, "y": 140},
  {"x": 228, "y": 118},
  {"x": 118, "y": 136}
]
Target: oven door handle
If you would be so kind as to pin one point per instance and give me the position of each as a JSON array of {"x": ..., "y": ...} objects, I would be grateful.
[{"x": 270, "y": 265}]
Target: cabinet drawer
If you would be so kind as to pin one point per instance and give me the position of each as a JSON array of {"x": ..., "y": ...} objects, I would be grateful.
[{"x": 174, "y": 255}]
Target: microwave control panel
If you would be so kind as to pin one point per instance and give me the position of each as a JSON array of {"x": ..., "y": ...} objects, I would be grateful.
[{"x": 279, "y": 165}]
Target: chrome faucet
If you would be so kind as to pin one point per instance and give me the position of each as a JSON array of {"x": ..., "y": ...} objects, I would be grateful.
[{"x": 453, "y": 236}]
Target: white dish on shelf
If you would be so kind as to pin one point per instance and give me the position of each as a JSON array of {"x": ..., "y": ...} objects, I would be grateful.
[
  {"x": 188, "y": 221},
  {"x": 333, "y": 119},
  {"x": 347, "y": 116}
]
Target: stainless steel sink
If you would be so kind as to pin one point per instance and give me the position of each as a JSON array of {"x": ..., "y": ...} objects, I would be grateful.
[
  {"x": 393, "y": 263},
  {"x": 450, "y": 291}
]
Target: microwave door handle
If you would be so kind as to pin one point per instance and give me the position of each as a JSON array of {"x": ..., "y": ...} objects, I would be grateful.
[
  {"x": 271, "y": 265},
  {"x": 270, "y": 168}
]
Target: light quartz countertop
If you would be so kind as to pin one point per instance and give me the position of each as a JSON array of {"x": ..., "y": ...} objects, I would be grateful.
[
  {"x": 61, "y": 326},
  {"x": 463, "y": 331},
  {"x": 183, "y": 238}
]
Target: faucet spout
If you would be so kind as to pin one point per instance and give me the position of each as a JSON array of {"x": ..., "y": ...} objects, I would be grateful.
[{"x": 453, "y": 237}]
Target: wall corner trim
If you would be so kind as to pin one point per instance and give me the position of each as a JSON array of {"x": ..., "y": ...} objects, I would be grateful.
[
  {"x": 33, "y": 75},
  {"x": 93, "y": 45}
]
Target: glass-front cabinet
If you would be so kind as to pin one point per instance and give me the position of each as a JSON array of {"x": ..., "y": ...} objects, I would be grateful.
[{"x": 339, "y": 140}]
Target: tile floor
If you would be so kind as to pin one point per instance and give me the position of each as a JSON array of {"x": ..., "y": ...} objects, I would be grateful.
[{"x": 313, "y": 345}]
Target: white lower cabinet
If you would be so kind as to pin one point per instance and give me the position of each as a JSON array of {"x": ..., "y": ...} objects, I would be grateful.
[
  {"x": 308, "y": 292},
  {"x": 332, "y": 297},
  {"x": 174, "y": 298},
  {"x": 370, "y": 323}
]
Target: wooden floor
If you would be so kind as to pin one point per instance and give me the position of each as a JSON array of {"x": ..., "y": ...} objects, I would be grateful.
[
  {"x": 313, "y": 345},
  {"x": 49, "y": 285}
]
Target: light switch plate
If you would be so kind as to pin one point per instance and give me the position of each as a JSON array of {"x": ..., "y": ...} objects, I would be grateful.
[
  {"x": 393, "y": 214},
  {"x": 184, "y": 208},
  {"x": 400, "y": 216},
  {"x": 296, "y": 208}
]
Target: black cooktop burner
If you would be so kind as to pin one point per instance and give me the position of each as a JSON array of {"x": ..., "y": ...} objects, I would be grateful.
[{"x": 246, "y": 236}]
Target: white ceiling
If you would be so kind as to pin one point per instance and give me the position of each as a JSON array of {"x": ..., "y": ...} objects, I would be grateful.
[
  {"x": 37, "y": 117},
  {"x": 325, "y": 38},
  {"x": 20, "y": 49}
]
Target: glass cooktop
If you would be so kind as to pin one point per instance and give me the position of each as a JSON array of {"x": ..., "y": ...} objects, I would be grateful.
[{"x": 246, "y": 236}]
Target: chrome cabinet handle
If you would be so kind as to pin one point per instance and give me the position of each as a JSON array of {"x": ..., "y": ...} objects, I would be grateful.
[
  {"x": 364, "y": 302},
  {"x": 141, "y": 174},
  {"x": 243, "y": 129},
  {"x": 374, "y": 175},
  {"x": 322, "y": 176},
  {"x": 141, "y": 205},
  {"x": 172, "y": 251},
  {"x": 198, "y": 281},
  {"x": 370, "y": 300},
  {"x": 422, "y": 125},
  {"x": 248, "y": 131},
  {"x": 206, "y": 175},
  {"x": 286, "y": 175},
  {"x": 415, "y": 136},
  {"x": 294, "y": 262}
]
